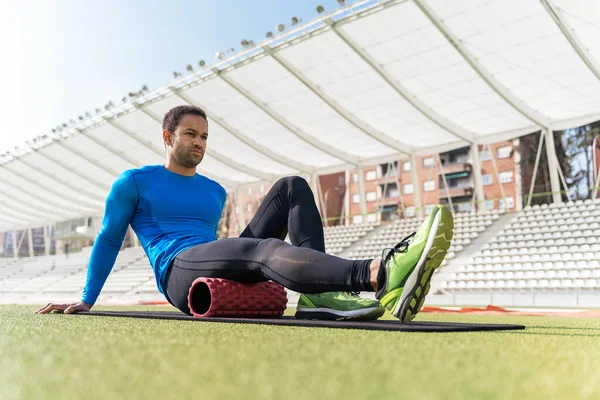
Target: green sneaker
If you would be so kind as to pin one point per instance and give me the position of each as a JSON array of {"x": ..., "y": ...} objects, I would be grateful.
[
  {"x": 338, "y": 306},
  {"x": 410, "y": 265}
]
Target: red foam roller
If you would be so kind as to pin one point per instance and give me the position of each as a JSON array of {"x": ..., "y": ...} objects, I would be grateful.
[{"x": 214, "y": 297}]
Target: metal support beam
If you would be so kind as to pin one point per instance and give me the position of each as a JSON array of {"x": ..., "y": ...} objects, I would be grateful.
[
  {"x": 338, "y": 108},
  {"x": 240, "y": 215},
  {"x": 347, "y": 181},
  {"x": 500, "y": 184},
  {"x": 552, "y": 166},
  {"x": 361, "y": 192},
  {"x": 478, "y": 196},
  {"x": 535, "y": 168},
  {"x": 414, "y": 176},
  {"x": 110, "y": 148},
  {"x": 103, "y": 167},
  {"x": 424, "y": 109},
  {"x": 316, "y": 189},
  {"x": 30, "y": 242},
  {"x": 518, "y": 104},
  {"x": 56, "y": 211},
  {"x": 21, "y": 242},
  {"x": 569, "y": 33},
  {"x": 19, "y": 208},
  {"x": 284, "y": 122},
  {"x": 14, "y": 245},
  {"x": 75, "y": 188},
  {"x": 445, "y": 181},
  {"x": 70, "y": 200},
  {"x": 87, "y": 178},
  {"x": 46, "y": 241}
]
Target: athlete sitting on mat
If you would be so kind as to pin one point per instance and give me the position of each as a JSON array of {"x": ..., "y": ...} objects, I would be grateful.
[{"x": 175, "y": 213}]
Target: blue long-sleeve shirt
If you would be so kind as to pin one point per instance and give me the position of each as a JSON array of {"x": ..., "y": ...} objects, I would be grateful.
[{"x": 168, "y": 212}]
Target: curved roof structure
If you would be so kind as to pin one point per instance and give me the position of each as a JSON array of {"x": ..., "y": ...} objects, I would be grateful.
[{"x": 372, "y": 82}]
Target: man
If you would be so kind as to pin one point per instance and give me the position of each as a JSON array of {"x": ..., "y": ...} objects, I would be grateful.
[{"x": 175, "y": 213}]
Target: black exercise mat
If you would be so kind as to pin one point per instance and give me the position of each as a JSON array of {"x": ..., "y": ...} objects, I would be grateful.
[{"x": 380, "y": 325}]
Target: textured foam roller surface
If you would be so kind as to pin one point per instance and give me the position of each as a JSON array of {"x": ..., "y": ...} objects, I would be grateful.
[
  {"x": 379, "y": 325},
  {"x": 212, "y": 297}
]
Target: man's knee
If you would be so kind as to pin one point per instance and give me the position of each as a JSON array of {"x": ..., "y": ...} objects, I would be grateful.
[{"x": 293, "y": 183}]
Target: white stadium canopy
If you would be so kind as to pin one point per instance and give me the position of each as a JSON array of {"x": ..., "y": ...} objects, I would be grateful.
[{"x": 373, "y": 82}]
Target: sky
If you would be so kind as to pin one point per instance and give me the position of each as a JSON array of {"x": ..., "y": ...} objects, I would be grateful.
[{"x": 61, "y": 58}]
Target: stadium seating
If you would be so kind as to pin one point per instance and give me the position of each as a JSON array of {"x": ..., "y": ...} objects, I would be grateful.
[
  {"x": 339, "y": 238},
  {"x": 545, "y": 248},
  {"x": 467, "y": 227}
]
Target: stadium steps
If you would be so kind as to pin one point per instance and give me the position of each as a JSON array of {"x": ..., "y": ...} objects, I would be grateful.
[
  {"x": 445, "y": 273},
  {"x": 362, "y": 240}
]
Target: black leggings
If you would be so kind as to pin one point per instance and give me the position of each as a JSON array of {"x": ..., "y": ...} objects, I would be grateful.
[{"x": 260, "y": 253}]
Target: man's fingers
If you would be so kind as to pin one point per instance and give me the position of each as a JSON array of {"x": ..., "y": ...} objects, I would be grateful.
[
  {"x": 40, "y": 309},
  {"x": 52, "y": 307}
]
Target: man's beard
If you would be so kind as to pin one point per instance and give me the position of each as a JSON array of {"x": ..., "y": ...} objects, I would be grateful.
[{"x": 185, "y": 159}]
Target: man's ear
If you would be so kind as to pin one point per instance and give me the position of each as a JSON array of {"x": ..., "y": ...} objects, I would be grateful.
[{"x": 167, "y": 137}]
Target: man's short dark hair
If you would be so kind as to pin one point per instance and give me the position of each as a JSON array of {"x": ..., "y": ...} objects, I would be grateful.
[{"x": 173, "y": 116}]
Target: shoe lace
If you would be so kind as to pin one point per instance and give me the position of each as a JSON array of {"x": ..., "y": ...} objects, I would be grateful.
[{"x": 401, "y": 247}]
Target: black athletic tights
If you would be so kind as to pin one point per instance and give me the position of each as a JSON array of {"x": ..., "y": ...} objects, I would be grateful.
[{"x": 260, "y": 253}]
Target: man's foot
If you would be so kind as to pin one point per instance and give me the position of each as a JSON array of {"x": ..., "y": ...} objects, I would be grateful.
[
  {"x": 338, "y": 306},
  {"x": 410, "y": 265}
]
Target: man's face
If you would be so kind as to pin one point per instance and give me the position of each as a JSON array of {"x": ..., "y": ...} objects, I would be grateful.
[{"x": 188, "y": 142}]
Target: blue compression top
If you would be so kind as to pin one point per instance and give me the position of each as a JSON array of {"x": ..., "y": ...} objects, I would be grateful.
[{"x": 169, "y": 213}]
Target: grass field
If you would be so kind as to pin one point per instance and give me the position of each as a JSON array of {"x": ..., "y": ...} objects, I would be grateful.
[{"x": 72, "y": 357}]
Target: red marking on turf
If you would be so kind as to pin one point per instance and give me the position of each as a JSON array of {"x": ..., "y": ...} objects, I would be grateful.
[{"x": 494, "y": 310}]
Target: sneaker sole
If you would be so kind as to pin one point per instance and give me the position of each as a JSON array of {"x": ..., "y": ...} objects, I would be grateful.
[
  {"x": 418, "y": 283},
  {"x": 364, "y": 314}
]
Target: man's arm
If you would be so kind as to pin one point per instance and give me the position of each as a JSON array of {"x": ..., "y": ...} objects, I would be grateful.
[{"x": 120, "y": 207}]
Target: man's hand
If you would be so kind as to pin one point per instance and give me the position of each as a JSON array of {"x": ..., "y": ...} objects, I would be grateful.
[{"x": 64, "y": 308}]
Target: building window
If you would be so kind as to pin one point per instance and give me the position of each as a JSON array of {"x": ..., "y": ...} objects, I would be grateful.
[
  {"x": 504, "y": 152},
  {"x": 428, "y": 162},
  {"x": 249, "y": 191},
  {"x": 406, "y": 166},
  {"x": 371, "y": 196},
  {"x": 262, "y": 189},
  {"x": 249, "y": 207},
  {"x": 371, "y": 175},
  {"x": 510, "y": 203},
  {"x": 409, "y": 211},
  {"x": 355, "y": 198},
  {"x": 408, "y": 188},
  {"x": 372, "y": 218},
  {"x": 505, "y": 177},
  {"x": 428, "y": 209},
  {"x": 355, "y": 178},
  {"x": 488, "y": 205},
  {"x": 429, "y": 186},
  {"x": 487, "y": 179},
  {"x": 485, "y": 155},
  {"x": 357, "y": 219}
]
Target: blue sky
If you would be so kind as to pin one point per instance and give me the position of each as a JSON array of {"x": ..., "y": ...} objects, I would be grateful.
[{"x": 62, "y": 58}]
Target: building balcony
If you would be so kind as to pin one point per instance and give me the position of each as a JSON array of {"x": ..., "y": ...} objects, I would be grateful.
[
  {"x": 456, "y": 192},
  {"x": 457, "y": 168},
  {"x": 390, "y": 178},
  {"x": 388, "y": 201}
]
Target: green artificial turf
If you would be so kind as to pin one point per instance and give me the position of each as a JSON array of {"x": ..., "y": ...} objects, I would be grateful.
[{"x": 59, "y": 356}]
